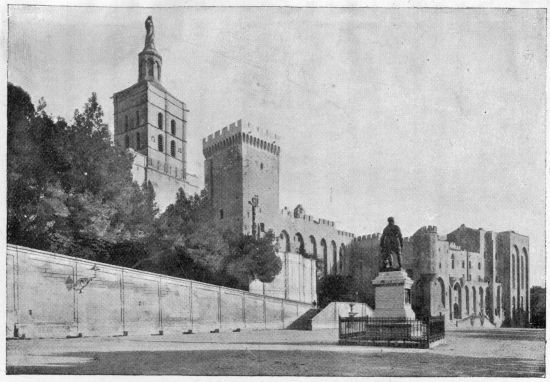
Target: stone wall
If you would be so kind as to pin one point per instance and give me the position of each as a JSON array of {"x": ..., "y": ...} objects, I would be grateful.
[
  {"x": 51, "y": 295},
  {"x": 297, "y": 280}
]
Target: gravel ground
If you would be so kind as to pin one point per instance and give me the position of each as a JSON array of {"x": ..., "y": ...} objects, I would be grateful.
[{"x": 497, "y": 352}]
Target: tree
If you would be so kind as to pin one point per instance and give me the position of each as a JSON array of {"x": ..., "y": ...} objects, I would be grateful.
[
  {"x": 538, "y": 307},
  {"x": 253, "y": 258},
  {"x": 35, "y": 199},
  {"x": 335, "y": 288},
  {"x": 70, "y": 189}
]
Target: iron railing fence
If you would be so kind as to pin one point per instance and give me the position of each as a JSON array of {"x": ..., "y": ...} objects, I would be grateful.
[{"x": 391, "y": 331}]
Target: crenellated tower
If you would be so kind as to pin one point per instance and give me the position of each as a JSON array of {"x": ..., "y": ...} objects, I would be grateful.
[{"x": 241, "y": 163}]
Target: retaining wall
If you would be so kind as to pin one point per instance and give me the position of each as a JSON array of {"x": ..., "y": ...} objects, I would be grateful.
[{"x": 51, "y": 295}]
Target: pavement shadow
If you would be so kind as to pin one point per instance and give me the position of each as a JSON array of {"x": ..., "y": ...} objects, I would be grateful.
[{"x": 284, "y": 363}]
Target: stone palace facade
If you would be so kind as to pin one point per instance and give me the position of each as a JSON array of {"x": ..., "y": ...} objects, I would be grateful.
[{"x": 466, "y": 273}]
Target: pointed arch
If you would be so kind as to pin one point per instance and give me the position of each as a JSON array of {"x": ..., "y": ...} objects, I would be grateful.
[
  {"x": 457, "y": 305},
  {"x": 467, "y": 299},
  {"x": 474, "y": 300},
  {"x": 334, "y": 258},
  {"x": 284, "y": 242},
  {"x": 324, "y": 250},
  {"x": 341, "y": 255},
  {"x": 481, "y": 301},
  {"x": 313, "y": 244},
  {"x": 299, "y": 243}
]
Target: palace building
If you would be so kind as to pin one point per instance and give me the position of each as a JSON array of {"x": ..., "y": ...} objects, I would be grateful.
[{"x": 466, "y": 274}]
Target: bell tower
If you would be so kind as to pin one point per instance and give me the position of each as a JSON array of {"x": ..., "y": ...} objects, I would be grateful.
[
  {"x": 150, "y": 61},
  {"x": 152, "y": 123}
]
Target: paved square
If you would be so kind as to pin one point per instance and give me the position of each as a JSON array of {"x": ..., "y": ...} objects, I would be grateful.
[{"x": 498, "y": 352}]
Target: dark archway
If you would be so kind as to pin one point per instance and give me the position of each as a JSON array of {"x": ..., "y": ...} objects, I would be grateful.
[
  {"x": 299, "y": 244},
  {"x": 334, "y": 258},
  {"x": 313, "y": 244},
  {"x": 441, "y": 285},
  {"x": 325, "y": 256},
  {"x": 467, "y": 299},
  {"x": 458, "y": 300},
  {"x": 284, "y": 242}
]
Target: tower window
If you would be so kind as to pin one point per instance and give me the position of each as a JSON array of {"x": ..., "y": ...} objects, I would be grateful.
[
  {"x": 160, "y": 120},
  {"x": 173, "y": 127},
  {"x": 221, "y": 214},
  {"x": 453, "y": 261},
  {"x": 137, "y": 117},
  {"x": 127, "y": 141},
  {"x": 261, "y": 166},
  {"x": 173, "y": 148},
  {"x": 462, "y": 264},
  {"x": 478, "y": 265},
  {"x": 160, "y": 143},
  {"x": 138, "y": 141},
  {"x": 125, "y": 123}
]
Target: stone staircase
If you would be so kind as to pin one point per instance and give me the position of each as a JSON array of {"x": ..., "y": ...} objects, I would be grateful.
[
  {"x": 470, "y": 322},
  {"x": 304, "y": 321}
]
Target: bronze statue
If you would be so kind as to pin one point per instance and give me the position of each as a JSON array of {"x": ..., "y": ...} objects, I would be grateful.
[
  {"x": 150, "y": 36},
  {"x": 391, "y": 242}
]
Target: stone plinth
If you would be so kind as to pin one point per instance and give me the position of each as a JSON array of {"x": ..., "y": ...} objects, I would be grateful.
[{"x": 392, "y": 295}]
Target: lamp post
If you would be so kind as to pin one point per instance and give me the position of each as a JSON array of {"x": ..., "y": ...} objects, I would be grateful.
[{"x": 254, "y": 203}]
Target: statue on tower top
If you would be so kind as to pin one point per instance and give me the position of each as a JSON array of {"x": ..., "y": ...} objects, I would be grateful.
[{"x": 150, "y": 35}]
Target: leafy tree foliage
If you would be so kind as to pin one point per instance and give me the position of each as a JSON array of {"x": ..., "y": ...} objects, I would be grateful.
[
  {"x": 254, "y": 258},
  {"x": 336, "y": 288},
  {"x": 70, "y": 190}
]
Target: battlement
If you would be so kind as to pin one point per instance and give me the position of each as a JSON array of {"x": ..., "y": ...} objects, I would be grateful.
[
  {"x": 427, "y": 229},
  {"x": 369, "y": 237},
  {"x": 241, "y": 132},
  {"x": 454, "y": 246},
  {"x": 286, "y": 212}
]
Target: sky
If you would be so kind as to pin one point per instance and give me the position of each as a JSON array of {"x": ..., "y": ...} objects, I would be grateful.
[{"x": 433, "y": 116}]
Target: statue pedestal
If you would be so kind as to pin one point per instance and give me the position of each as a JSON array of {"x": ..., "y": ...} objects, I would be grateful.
[{"x": 393, "y": 295}]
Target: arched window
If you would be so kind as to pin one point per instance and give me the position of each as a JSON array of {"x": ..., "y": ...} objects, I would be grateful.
[
  {"x": 478, "y": 265},
  {"x": 221, "y": 214},
  {"x": 160, "y": 143},
  {"x": 138, "y": 141},
  {"x": 462, "y": 263},
  {"x": 160, "y": 120},
  {"x": 173, "y": 148},
  {"x": 137, "y": 117},
  {"x": 173, "y": 127},
  {"x": 127, "y": 141},
  {"x": 125, "y": 123},
  {"x": 453, "y": 261}
]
